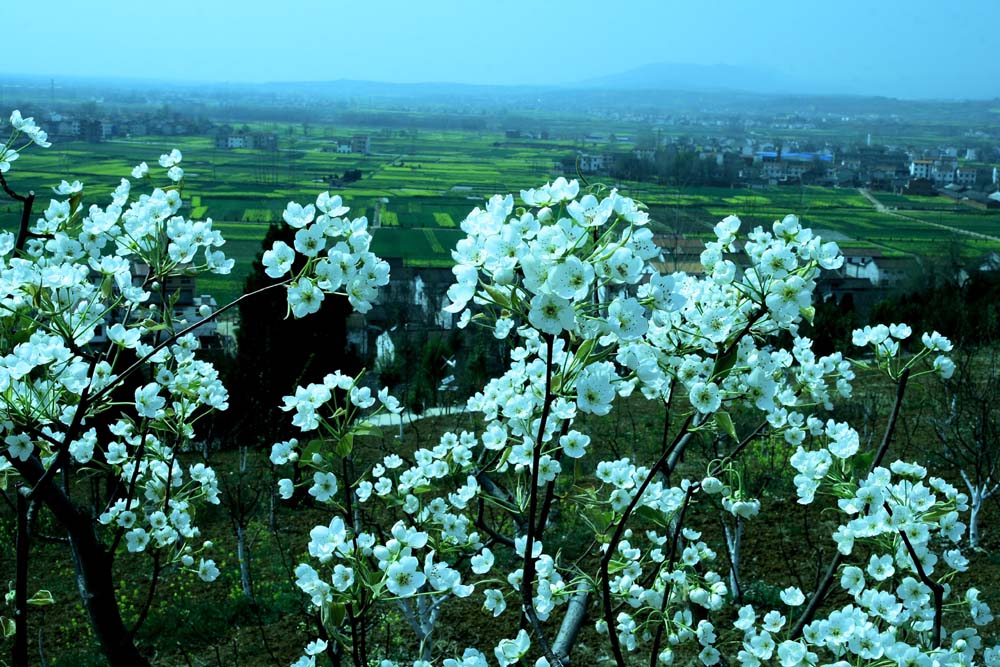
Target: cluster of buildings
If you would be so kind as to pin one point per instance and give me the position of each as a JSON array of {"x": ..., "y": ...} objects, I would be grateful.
[
  {"x": 360, "y": 144},
  {"x": 970, "y": 183},
  {"x": 866, "y": 272},
  {"x": 750, "y": 162},
  {"x": 970, "y": 196},
  {"x": 188, "y": 306},
  {"x": 84, "y": 126},
  {"x": 88, "y": 125},
  {"x": 226, "y": 138}
]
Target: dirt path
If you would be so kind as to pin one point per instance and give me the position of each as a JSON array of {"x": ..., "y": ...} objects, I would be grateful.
[{"x": 881, "y": 208}]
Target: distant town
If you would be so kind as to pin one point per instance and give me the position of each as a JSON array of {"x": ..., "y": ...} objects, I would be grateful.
[
  {"x": 688, "y": 149},
  {"x": 881, "y": 148}
]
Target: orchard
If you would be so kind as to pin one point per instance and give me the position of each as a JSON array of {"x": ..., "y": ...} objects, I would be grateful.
[{"x": 563, "y": 275}]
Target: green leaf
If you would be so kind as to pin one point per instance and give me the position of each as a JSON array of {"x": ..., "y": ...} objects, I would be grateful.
[
  {"x": 333, "y": 615},
  {"x": 312, "y": 447},
  {"x": 74, "y": 202},
  {"x": 604, "y": 519},
  {"x": 41, "y": 599},
  {"x": 503, "y": 458},
  {"x": 345, "y": 446},
  {"x": 646, "y": 513},
  {"x": 724, "y": 363},
  {"x": 615, "y": 566},
  {"x": 366, "y": 429},
  {"x": 863, "y": 460},
  {"x": 9, "y": 629},
  {"x": 498, "y": 295},
  {"x": 725, "y": 422},
  {"x": 585, "y": 349}
]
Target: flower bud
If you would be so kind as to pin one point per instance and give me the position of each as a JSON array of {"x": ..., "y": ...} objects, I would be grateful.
[{"x": 711, "y": 485}]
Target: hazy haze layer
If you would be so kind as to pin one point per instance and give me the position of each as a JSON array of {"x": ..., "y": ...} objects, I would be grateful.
[{"x": 912, "y": 49}]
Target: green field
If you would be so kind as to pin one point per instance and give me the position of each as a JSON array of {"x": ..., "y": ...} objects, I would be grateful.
[
  {"x": 425, "y": 182},
  {"x": 980, "y": 222},
  {"x": 839, "y": 214}
]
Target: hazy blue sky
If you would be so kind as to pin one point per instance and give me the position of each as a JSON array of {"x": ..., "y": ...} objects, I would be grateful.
[{"x": 912, "y": 48}]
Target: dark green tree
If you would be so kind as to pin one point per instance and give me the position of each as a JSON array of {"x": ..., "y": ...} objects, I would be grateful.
[{"x": 276, "y": 353}]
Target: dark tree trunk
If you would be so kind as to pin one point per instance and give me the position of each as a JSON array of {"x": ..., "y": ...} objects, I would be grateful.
[
  {"x": 19, "y": 653},
  {"x": 94, "y": 570},
  {"x": 97, "y": 590}
]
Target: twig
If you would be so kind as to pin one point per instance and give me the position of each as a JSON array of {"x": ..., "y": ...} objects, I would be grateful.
[
  {"x": 148, "y": 604},
  {"x": 41, "y": 644},
  {"x": 173, "y": 338},
  {"x": 679, "y": 525},
  {"x": 27, "y": 202},
  {"x": 935, "y": 586},
  {"x": 63, "y": 455},
  {"x": 675, "y": 540},
  {"x": 494, "y": 535}
]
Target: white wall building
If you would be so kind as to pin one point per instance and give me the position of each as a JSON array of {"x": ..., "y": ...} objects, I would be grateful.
[{"x": 966, "y": 176}]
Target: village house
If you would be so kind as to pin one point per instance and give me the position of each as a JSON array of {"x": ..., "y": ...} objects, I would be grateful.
[
  {"x": 361, "y": 143},
  {"x": 966, "y": 176},
  {"x": 187, "y": 306},
  {"x": 266, "y": 141},
  {"x": 942, "y": 174},
  {"x": 921, "y": 168},
  {"x": 412, "y": 301},
  {"x": 593, "y": 163},
  {"x": 880, "y": 270}
]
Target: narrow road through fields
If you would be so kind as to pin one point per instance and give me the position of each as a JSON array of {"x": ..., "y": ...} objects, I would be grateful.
[
  {"x": 388, "y": 419},
  {"x": 881, "y": 208}
]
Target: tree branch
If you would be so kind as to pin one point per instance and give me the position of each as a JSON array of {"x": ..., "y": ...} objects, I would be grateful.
[
  {"x": 576, "y": 614},
  {"x": 682, "y": 435},
  {"x": 528, "y": 571},
  {"x": 27, "y": 202},
  {"x": 173, "y": 338},
  {"x": 148, "y": 604},
  {"x": 19, "y": 652},
  {"x": 935, "y": 586},
  {"x": 831, "y": 571}
]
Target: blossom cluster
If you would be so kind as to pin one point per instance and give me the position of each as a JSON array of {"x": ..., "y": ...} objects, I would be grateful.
[
  {"x": 569, "y": 281},
  {"x": 85, "y": 307},
  {"x": 79, "y": 295},
  {"x": 9, "y": 152},
  {"x": 336, "y": 253}
]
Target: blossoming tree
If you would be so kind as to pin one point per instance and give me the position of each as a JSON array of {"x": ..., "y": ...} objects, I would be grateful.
[
  {"x": 566, "y": 279},
  {"x": 565, "y": 276},
  {"x": 84, "y": 312}
]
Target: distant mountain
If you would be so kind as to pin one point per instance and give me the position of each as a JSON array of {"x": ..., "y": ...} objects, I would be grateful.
[
  {"x": 695, "y": 78},
  {"x": 358, "y": 87}
]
